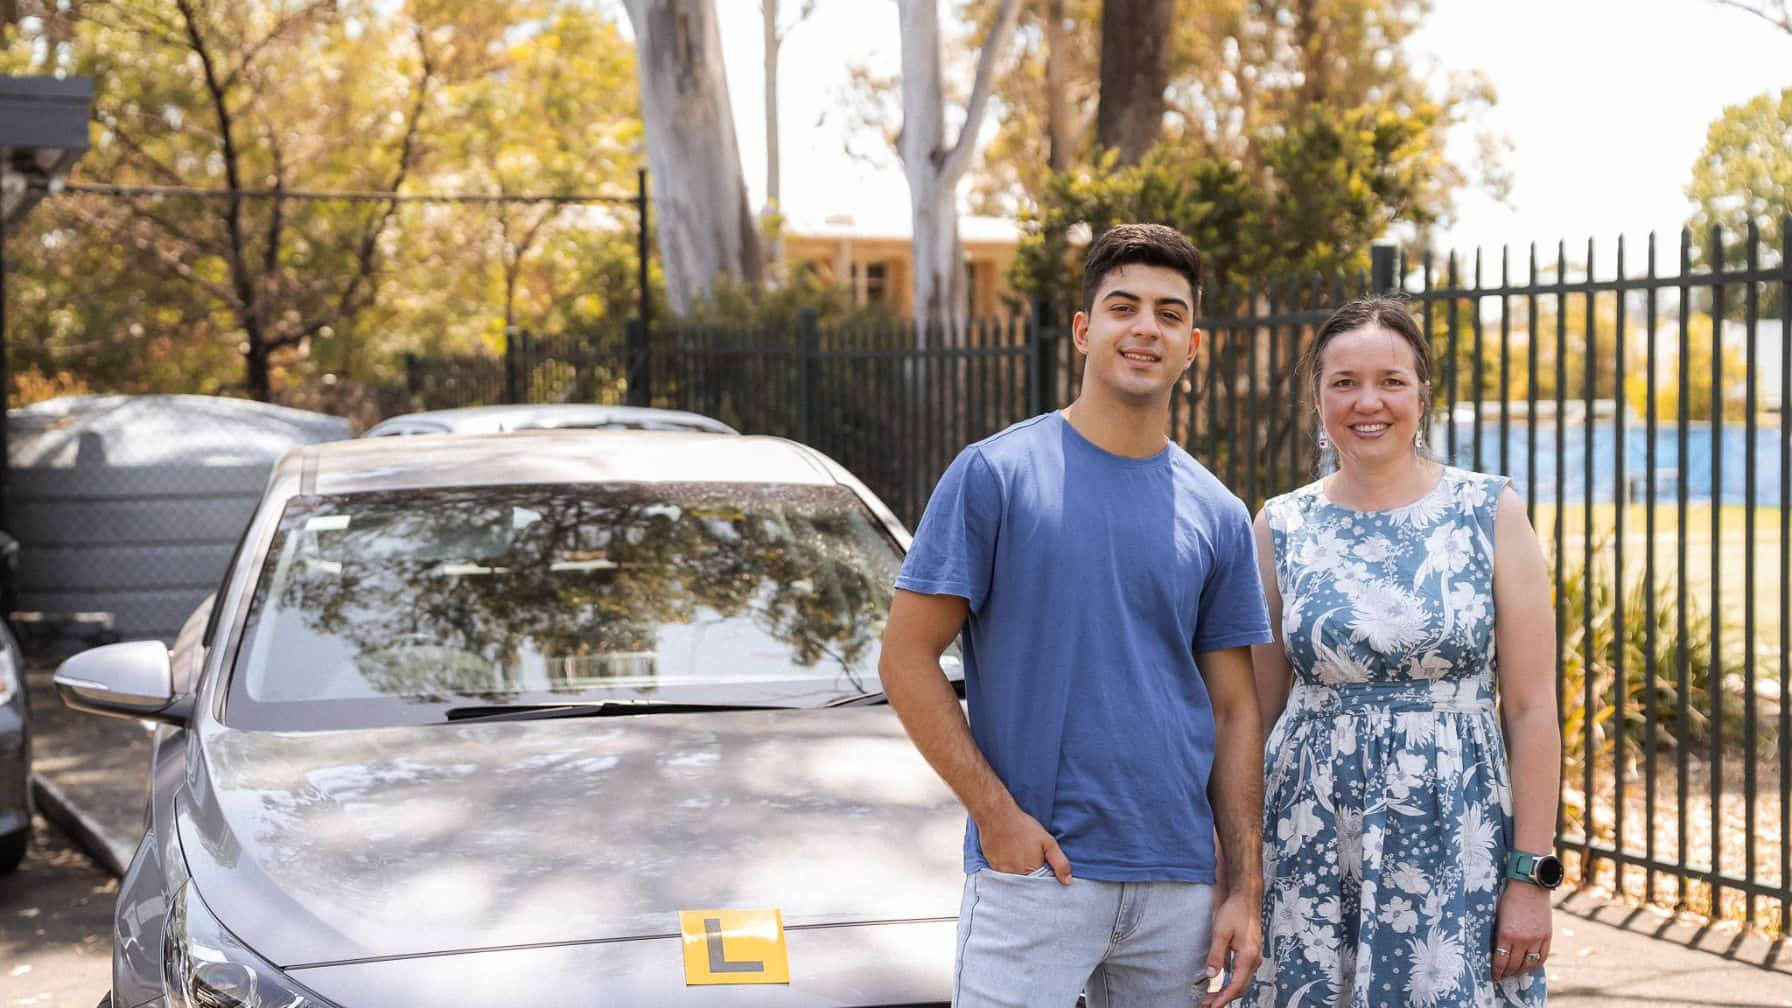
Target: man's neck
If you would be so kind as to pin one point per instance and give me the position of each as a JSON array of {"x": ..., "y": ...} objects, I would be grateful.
[{"x": 1120, "y": 428}]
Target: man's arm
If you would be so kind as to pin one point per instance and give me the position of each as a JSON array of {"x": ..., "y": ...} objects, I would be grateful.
[
  {"x": 1274, "y": 678},
  {"x": 1236, "y": 791},
  {"x": 920, "y": 629}
]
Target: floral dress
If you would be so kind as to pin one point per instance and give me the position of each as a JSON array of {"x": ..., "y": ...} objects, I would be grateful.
[{"x": 1388, "y": 810}]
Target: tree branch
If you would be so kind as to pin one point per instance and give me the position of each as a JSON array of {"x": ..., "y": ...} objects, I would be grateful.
[
  {"x": 367, "y": 253},
  {"x": 176, "y": 232},
  {"x": 274, "y": 34},
  {"x": 137, "y": 151},
  {"x": 181, "y": 269},
  {"x": 270, "y": 253},
  {"x": 1782, "y": 21},
  {"x": 241, "y": 282},
  {"x": 131, "y": 20},
  {"x": 955, "y": 161}
]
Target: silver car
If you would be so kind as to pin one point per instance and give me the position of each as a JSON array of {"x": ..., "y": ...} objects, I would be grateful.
[
  {"x": 543, "y": 719},
  {"x": 549, "y": 416}
]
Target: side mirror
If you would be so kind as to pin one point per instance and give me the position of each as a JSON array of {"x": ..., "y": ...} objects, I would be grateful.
[{"x": 130, "y": 680}]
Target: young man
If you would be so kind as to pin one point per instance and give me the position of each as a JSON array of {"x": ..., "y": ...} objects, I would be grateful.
[{"x": 1106, "y": 586}]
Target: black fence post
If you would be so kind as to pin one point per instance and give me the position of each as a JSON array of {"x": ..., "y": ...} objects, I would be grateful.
[
  {"x": 512, "y": 373},
  {"x": 1043, "y": 360},
  {"x": 808, "y": 352},
  {"x": 637, "y": 364},
  {"x": 1381, "y": 268}
]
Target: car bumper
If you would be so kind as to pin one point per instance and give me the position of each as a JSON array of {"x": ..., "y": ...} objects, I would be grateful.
[{"x": 893, "y": 963}]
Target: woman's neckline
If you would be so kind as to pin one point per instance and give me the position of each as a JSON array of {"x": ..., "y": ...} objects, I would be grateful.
[{"x": 1443, "y": 474}]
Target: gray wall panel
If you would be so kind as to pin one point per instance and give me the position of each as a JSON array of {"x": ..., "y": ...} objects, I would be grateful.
[
  {"x": 116, "y": 522},
  {"x": 111, "y": 569},
  {"x": 136, "y": 615}
]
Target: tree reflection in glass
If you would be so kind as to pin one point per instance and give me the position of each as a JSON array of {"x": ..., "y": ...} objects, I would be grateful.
[{"x": 738, "y": 593}]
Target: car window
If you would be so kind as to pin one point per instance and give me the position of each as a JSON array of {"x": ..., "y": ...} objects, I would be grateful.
[{"x": 386, "y": 608}]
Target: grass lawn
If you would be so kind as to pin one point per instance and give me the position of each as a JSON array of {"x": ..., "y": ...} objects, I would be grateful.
[{"x": 1731, "y": 558}]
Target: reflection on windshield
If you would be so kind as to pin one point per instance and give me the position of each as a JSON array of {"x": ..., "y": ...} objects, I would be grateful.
[{"x": 727, "y": 593}]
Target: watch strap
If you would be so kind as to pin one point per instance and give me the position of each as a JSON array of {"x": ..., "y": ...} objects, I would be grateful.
[{"x": 1522, "y": 866}]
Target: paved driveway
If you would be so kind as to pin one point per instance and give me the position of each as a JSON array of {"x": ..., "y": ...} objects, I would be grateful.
[{"x": 55, "y": 928}]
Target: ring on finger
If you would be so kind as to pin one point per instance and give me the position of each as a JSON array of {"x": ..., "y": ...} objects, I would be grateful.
[
  {"x": 1501, "y": 951},
  {"x": 1532, "y": 957}
]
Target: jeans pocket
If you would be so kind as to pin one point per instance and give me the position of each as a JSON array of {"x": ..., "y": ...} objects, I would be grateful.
[{"x": 1043, "y": 871}]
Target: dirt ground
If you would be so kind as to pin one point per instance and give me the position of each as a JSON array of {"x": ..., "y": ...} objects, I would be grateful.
[{"x": 55, "y": 927}]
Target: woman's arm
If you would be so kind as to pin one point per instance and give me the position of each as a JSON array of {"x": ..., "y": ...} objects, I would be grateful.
[
  {"x": 1269, "y": 662},
  {"x": 1525, "y": 642}
]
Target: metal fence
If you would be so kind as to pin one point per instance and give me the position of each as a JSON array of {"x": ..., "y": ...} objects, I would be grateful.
[{"x": 1639, "y": 412}]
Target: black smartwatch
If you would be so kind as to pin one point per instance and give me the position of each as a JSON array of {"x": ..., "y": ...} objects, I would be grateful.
[{"x": 1538, "y": 869}]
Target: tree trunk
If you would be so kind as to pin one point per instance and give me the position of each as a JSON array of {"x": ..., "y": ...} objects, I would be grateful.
[
  {"x": 1135, "y": 62},
  {"x": 1057, "y": 89},
  {"x": 773, "y": 183},
  {"x": 705, "y": 226},
  {"x": 256, "y": 371},
  {"x": 934, "y": 169}
]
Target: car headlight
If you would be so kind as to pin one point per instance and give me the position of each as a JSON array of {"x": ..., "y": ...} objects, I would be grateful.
[{"x": 205, "y": 966}]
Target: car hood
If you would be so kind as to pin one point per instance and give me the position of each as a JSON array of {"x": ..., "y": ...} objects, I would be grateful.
[{"x": 331, "y": 847}]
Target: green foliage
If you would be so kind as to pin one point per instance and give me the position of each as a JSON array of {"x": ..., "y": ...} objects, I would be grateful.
[
  {"x": 1586, "y": 342},
  {"x": 1242, "y": 75},
  {"x": 1328, "y": 187},
  {"x": 1596, "y": 655},
  {"x": 1743, "y": 176},
  {"x": 431, "y": 96},
  {"x": 742, "y": 306},
  {"x": 1702, "y": 344}
]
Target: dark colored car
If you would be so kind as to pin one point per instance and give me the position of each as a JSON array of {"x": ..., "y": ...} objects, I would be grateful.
[{"x": 542, "y": 719}]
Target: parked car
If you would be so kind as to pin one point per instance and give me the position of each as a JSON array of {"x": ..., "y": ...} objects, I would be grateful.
[
  {"x": 552, "y": 718},
  {"x": 15, "y": 729},
  {"x": 552, "y": 416},
  {"x": 15, "y": 757}
]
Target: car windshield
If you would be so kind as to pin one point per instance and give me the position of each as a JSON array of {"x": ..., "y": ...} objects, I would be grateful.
[{"x": 394, "y": 607}]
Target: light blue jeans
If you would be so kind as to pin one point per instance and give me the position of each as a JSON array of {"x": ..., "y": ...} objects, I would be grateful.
[{"x": 1026, "y": 941}]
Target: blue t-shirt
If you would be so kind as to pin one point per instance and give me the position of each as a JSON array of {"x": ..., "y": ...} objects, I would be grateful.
[{"x": 1093, "y": 581}]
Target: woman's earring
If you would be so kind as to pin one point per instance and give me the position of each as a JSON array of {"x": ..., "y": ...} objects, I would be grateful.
[
  {"x": 1418, "y": 441},
  {"x": 1323, "y": 443}
]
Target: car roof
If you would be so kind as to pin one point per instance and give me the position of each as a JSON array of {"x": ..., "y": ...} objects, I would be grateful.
[
  {"x": 493, "y": 419},
  {"x": 545, "y": 456}
]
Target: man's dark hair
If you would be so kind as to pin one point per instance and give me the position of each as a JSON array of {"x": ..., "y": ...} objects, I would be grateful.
[{"x": 1146, "y": 245}]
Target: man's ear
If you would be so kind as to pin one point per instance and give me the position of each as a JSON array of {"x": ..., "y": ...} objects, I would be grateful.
[
  {"x": 1079, "y": 332},
  {"x": 1194, "y": 344}
]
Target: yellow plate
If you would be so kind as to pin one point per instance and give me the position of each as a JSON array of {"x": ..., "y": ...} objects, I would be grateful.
[{"x": 734, "y": 947}]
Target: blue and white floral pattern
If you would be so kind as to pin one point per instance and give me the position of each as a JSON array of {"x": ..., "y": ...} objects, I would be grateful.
[{"x": 1388, "y": 808}]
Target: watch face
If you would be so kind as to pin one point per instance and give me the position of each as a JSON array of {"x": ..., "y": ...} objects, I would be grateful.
[{"x": 1548, "y": 871}]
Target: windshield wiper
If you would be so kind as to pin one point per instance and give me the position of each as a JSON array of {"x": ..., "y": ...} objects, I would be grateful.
[
  {"x": 878, "y": 697},
  {"x": 600, "y": 708}
]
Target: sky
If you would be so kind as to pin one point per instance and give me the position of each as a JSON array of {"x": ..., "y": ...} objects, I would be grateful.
[{"x": 1605, "y": 104}]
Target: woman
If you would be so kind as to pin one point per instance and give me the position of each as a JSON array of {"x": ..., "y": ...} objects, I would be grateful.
[{"x": 1390, "y": 812}]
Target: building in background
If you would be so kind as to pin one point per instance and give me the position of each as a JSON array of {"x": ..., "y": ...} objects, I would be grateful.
[{"x": 872, "y": 258}]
